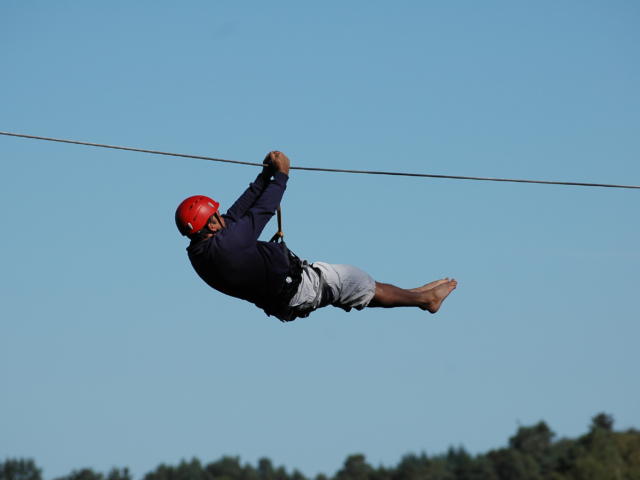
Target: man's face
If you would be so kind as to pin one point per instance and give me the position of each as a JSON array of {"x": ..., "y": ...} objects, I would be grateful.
[{"x": 216, "y": 223}]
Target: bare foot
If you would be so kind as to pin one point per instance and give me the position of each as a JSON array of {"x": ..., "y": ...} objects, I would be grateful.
[
  {"x": 436, "y": 295},
  {"x": 430, "y": 285}
]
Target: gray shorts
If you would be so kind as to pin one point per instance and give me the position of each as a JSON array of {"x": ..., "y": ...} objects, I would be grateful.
[{"x": 350, "y": 287}]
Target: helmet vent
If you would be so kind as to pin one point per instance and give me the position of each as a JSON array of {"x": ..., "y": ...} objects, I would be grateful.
[
  {"x": 211, "y": 205},
  {"x": 190, "y": 226}
]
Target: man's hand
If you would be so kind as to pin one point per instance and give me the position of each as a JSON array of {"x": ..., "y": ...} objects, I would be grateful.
[{"x": 278, "y": 161}]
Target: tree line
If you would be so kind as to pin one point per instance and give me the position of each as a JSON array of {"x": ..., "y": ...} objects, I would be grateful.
[{"x": 532, "y": 453}]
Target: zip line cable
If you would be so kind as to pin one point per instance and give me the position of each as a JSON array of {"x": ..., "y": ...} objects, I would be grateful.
[{"x": 318, "y": 169}]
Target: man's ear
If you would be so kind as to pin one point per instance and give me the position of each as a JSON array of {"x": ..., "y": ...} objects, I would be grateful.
[{"x": 211, "y": 226}]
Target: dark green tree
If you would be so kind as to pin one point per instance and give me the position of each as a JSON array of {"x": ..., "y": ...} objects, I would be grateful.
[
  {"x": 83, "y": 474},
  {"x": 602, "y": 421},
  {"x": 412, "y": 467},
  {"x": 265, "y": 469},
  {"x": 119, "y": 474},
  {"x": 229, "y": 468},
  {"x": 19, "y": 469},
  {"x": 481, "y": 468},
  {"x": 463, "y": 466},
  {"x": 510, "y": 464},
  {"x": 532, "y": 454},
  {"x": 535, "y": 442},
  {"x": 355, "y": 468},
  {"x": 191, "y": 470},
  {"x": 595, "y": 456}
]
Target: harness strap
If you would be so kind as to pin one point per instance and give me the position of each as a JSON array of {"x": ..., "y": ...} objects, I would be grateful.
[{"x": 279, "y": 235}]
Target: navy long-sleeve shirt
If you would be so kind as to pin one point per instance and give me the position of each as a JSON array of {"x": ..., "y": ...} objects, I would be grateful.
[{"x": 234, "y": 261}]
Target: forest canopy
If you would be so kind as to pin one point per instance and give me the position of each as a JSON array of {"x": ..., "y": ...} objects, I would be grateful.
[{"x": 532, "y": 453}]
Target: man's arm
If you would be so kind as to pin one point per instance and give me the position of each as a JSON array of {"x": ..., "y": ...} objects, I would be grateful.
[
  {"x": 250, "y": 226},
  {"x": 255, "y": 189},
  {"x": 248, "y": 198}
]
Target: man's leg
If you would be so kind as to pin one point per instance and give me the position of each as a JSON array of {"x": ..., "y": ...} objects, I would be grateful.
[{"x": 428, "y": 297}]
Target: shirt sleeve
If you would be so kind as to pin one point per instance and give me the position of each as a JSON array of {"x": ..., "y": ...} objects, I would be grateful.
[
  {"x": 248, "y": 198},
  {"x": 248, "y": 228}
]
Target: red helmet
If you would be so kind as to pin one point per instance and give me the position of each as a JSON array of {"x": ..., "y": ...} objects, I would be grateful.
[{"x": 192, "y": 214}]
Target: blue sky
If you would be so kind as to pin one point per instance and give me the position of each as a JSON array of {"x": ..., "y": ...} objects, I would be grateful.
[{"x": 114, "y": 353}]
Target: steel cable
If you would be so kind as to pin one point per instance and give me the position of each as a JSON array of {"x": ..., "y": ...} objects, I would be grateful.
[{"x": 318, "y": 169}]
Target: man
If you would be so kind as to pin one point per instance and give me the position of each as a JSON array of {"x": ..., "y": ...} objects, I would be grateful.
[{"x": 227, "y": 255}]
